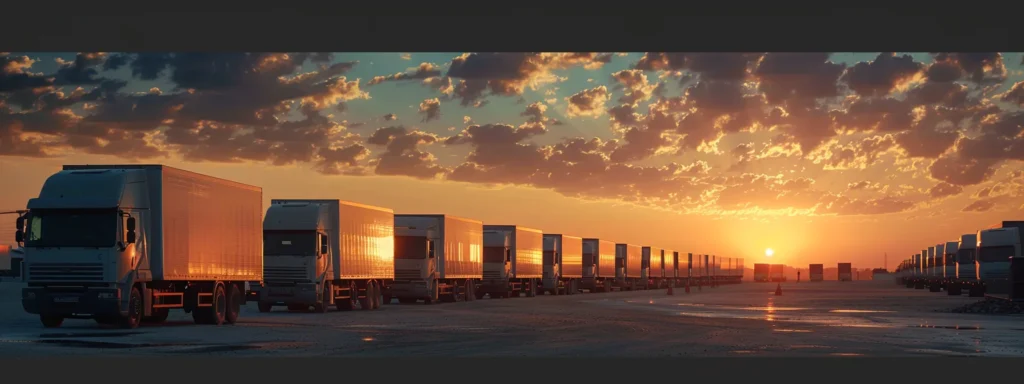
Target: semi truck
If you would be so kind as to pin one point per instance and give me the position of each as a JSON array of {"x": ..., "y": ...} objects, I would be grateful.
[
  {"x": 949, "y": 265},
  {"x": 671, "y": 269},
  {"x": 124, "y": 244},
  {"x": 995, "y": 248},
  {"x": 845, "y": 272},
  {"x": 563, "y": 264},
  {"x": 966, "y": 273},
  {"x": 932, "y": 267},
  {"x": 598, "y": 265},
  {"x": 437, "y": 258},
  {"x": 323, "y": 252},
  {"x": 776, "y": 273},
  {"x": 654, "y": 266},
  {"x": 817, "y": 272},
  {"x": 686, "y": 269},
  {"x": 628, "y": 266},
  {"x": 761, "y": 272},
  {"x": 938, "y": 274},
  {"x": 513, "y": 261}
]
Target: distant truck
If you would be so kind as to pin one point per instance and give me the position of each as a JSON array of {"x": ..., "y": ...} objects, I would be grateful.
[
  {"x": 761, "y": 272},
  {"x": 995, "y": 248},
  {"x": 671, "y": 269},
  {"x": 319, "y": 253},
  {"x": 513, "y": 261},
  {"x": 776, "y": 273},
  {"x": 563, "y": 264},
  {"x": 817, "y": 272},
  {"x": 966, "y": 271},
  {"x": 124, "y": 244},
  {"x": 628, "y": 266},
  {"x": 845, "y": 272},
  {"x": 939, "y": 271},
  {"x": 437, "y": 258},
  {"x": 598, "y": 265},
  {"x": 654, "y": 264},
  {"x": 949, "y": 250}
]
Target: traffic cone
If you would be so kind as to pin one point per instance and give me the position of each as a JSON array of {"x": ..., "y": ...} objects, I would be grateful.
[
  {"x": 669, "y": 292},
  {"x": 778, "y": 290}
]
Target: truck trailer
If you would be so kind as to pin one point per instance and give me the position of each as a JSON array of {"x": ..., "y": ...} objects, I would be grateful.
[
  {"x": 966, "y": 273},
  {"x": 845, "y": 272},
  {"x": 628, "y": 266},
  {"x": 598, "y": 265},
  {"x": 817, "y": 272},
  {"x": 124, "y": 244},
  {"x": 563, "y": 264},
  {"x": 513, "y": 261},
  {"x": 776, "y": 273},
  {"x": 654, "y": 267},
  {"x": 995, "y": 248},
  {"x": 671, "y": 269},
  {"x": 761, "y": 272},
  {"x": 938, "y": 273},
  {"x": 323, "y": 252},
  {"x": 437, "y": 258}
]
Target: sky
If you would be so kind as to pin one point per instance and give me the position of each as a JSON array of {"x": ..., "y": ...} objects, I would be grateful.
[{"x": 822, "y": 157}]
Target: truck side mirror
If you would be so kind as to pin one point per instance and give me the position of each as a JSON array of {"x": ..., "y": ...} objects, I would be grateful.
[
  {"x": 19, "y": 233},
  {"x": 130, "y": 225},
  {"x": 324, "y": 249}
]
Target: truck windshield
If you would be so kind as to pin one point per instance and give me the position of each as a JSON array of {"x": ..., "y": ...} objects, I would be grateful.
[
  {"x": 965, "y": 256},
  {"x": 289, "y": 243},
  {"x": 410, "y": 247},
  {"x": 72, "y": 228},
  {"x": 1001, "y": 253},
  {"x": 494, "y": 254}
]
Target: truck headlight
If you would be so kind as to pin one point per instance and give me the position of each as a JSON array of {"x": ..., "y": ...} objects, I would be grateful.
[{"x": 106, "y": 295}]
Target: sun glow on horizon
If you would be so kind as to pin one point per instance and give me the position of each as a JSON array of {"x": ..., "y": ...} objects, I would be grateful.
[{"x": 768, "y": 252}]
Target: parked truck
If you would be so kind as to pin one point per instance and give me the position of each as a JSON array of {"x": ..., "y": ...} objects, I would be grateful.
[
  {"x": 671, "y": 268},
  {"x": 563, "y": 264},
  {"x": 598, "y": 265},
  {"x": 123, "y": 244},
  {"x": 949, "y": 265},
  {"x": 513, "y": 261},
  {"x": 761, "y": 272},
  {"x": 938, "y": 272},
  {"x": 628, "y": 266},
  {"x": 966, "y": 273},
  {"x": 689, "y": 270},
  {"x": 654, "y": 266},
  {"x": 845, "y": 272},
  {"x": 437, "y": 258},
  {"x": 995, "y": 248},
  {"x": 322, "y": 253},
  {"x": 776, "y": 273},
  {"x": 817, "y": 272}
]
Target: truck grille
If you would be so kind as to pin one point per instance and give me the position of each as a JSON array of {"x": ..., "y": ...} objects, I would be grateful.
[
  {"x": 65, "y": 272},
  {"x": 407, "y": 274},
  {"x": 285, "y": 274},
  {"x": 492, "y": 275}
]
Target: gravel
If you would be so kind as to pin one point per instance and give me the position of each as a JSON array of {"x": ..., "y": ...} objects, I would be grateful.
[{"x": 991, "y": 306}]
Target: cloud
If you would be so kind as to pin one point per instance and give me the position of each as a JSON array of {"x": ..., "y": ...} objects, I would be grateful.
[
  {"x": 402, "y": 156},
  {"x": 589, "y": 102},
  {"x": 390, "y": 117},
  {"x": 509, "y": 74},
  {"x": 430, "y": 109},
  {"x": 423, "y": 72},
  {"x": 883, "y": 75},
  {"x": 942, "y": 190}
]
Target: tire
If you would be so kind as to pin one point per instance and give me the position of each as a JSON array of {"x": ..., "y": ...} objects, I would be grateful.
[
  {"x": 159, "y": 315},
  {"x": 325, "y": 299},
  {"x": 51, "y": 321},
  {"x": 265, "y": 306},
  {"x": 366, "y": 303},
  {"x": 233, "y": 307},
  {"x": 135, "y": 310},
  {"x": 349, "y": 303}
]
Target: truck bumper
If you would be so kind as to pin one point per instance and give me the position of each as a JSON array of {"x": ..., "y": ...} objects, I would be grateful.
[
  {"x": 302, "y": 293},
  {"x": 92, "y": 302},
  {"x": 409, "y": 289}
]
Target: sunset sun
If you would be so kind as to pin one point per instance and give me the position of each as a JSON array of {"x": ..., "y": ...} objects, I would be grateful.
[{"x": 769, "y": 252}]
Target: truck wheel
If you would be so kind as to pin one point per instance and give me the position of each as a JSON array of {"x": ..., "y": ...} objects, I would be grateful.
[
  {"x": 265, "y": 306},
  {"x": 234, "y": 304},
  {"x": 349, "y": 303},
  {"x": 51, "y": 321},
  {"x": 366, "y": 303},
  {"x": 134, "y": 310},
  {"x": 159, "y": 315},
  {"x": 218, "y": 312}
]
